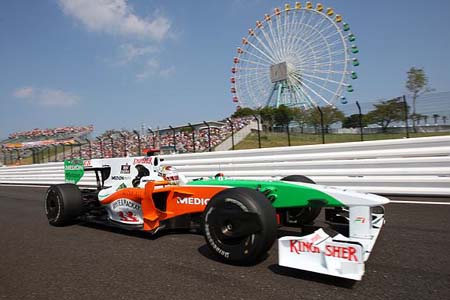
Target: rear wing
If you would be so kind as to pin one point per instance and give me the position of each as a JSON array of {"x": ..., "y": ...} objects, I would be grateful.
[{"x": 112, "y": 171}]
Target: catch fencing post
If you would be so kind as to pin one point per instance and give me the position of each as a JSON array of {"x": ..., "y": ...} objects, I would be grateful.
[
  {"x": 112, "y": 145},
  {"x": 322, "y": 130},
  {"x": 153, "y": 137},
  {"x": 360, "y": 121},
  {"x": 173, "y": 138},
  {"x": 42, "y": 155},
  {"x": 209, "y": 135},
  {"x": 259, "y": 134},
  {"x": 124, "y": 144},
  {"x": 232, "y": 133},
  {"x": 406, "y": 116},
  {"x": 100, "y": 141},
  {"x": 288, "y": 134},
  {"x": 90, "y": 148},
  {"x": 33, "y": 153},
  {"x": 193, "y": 135},
  {"x": 139, "y": 141},
  {"x": 55, "y": 155}
]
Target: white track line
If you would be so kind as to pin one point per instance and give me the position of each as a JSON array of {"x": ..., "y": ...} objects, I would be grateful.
[{"x": 420, "y": 202}]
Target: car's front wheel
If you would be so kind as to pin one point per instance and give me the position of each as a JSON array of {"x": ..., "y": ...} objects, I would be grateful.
[{"x": 239, "y": 225}]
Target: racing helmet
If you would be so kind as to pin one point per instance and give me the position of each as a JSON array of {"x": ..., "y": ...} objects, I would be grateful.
[{"x": 170, "y": 174}]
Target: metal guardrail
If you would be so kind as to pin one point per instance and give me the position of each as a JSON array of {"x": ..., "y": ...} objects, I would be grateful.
[{"x": 418, "y": 166}]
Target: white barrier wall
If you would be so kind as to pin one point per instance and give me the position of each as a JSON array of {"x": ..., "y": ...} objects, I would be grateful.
[{"x": 417, "y": 166}]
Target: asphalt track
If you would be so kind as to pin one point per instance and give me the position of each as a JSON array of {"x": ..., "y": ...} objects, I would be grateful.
[{"x": 411, "y": 260}]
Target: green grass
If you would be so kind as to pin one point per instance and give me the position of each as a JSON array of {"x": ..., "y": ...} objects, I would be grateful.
[{"x": 281, "y": 139}]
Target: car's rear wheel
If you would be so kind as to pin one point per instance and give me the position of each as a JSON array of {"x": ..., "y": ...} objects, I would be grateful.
[
  {"x": 240, "y": 225},
  {"x": 63, "y": 204},
  {"x": 302, "y": 215}
]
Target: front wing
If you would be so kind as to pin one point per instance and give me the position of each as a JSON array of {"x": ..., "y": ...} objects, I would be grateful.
[{"x": 335, "y": 255}]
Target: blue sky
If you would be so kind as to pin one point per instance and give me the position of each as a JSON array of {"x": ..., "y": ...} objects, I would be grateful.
[{"x": 162, "y": 63}]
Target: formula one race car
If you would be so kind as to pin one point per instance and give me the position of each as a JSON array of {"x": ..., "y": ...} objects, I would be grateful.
[{"x": 239, "y": 218}]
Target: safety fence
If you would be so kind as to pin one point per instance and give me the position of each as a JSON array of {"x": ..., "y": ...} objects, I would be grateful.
[{"x": 417, "y": 166}]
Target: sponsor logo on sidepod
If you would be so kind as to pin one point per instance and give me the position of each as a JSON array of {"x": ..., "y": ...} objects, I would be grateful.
[
  {"x": 125, "y": 169},
  {"x": 192, "y": 201}
]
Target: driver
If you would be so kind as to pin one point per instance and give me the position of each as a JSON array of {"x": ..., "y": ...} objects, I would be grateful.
[{"x": 170, "y": 174}]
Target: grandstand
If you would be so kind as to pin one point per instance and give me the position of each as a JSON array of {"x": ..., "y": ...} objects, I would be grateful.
[{"x": 23, "y": 144}]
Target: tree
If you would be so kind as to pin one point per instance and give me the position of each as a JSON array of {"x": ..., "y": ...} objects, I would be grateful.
[
  {"x": 267, "y": 117},
  {"x": 331, "y": 115},
  {"x": 435, "y": 117},
  {"x": 299, "y": 116},
  {"x": 243, "y": 112},
  {"x": 353, "y": 121},
  {"x": 283, "y": 115},
  {"x": 417, "y": 84},
  {"x": 387, "y": 112}
]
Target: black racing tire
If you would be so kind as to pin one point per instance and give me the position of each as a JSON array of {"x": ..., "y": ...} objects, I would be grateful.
[
  {"x": 63, "y": 204},
  {"x": 303, "y": 215},
  {"x": 239, "y": 225}
]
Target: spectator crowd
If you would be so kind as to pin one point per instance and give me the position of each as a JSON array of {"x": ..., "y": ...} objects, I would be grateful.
[
  {"x": 115, "y": 143},
  {"x": 72, "y": 141}
]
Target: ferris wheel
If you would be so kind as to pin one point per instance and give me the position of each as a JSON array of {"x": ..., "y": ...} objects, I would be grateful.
[{"x": 299, "y": 56}]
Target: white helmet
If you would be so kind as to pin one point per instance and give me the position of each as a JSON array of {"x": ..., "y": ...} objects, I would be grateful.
[{"x": 170, "y": 174}]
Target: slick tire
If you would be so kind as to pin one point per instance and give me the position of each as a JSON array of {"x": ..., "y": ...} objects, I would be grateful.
[
  {"x": 303, "y": 215},
  {"x": 63, "y": 204},
  {"x": 239, "y": 225}
]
